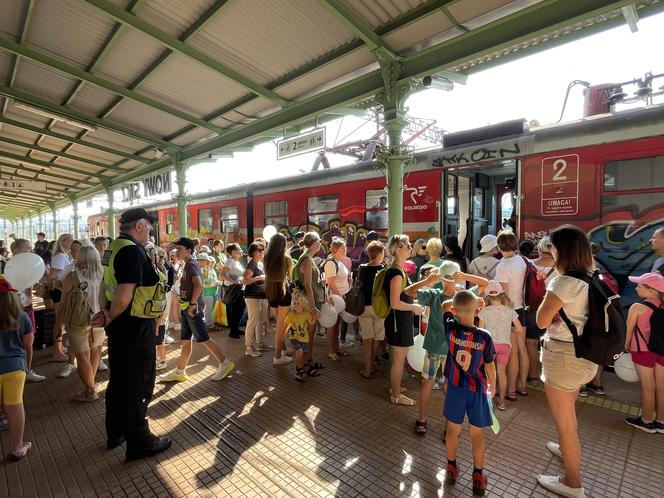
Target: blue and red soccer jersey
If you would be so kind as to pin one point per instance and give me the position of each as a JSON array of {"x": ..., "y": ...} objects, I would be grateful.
[{"x": 470, "y": 349}]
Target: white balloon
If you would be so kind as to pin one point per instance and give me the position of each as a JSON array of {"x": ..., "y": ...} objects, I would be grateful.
[
  {"x": 339, "y": 303},
  {"x": 24, "y": 270},
  {"x": 624, "y": 368},
  {"x": 328, "y": 316},
  {"x": 269, "y": 231},
  {"x": 416, "y": 353},
  {"x": 347, "y": 317}
]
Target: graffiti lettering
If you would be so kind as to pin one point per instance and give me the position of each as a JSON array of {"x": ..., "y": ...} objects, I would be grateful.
[{"x": 477, "y": 155}]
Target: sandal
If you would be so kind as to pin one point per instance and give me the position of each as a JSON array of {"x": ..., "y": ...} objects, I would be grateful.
[
  {"x": 364, "y": 375},
  {"x": 510, "y": 396},
  {"x": 316, "y": 365},
  {"x": 20, "y": 454},
  {"x": 312, "y": 371},
  {"x": 420, "y": 427},
  {"x": 501, "y": 405},
  {"x": 401, "y": 390},
  {"x": 343, "y": 353},
  {"x": 333, "y": 357},
  {"x": 522, "y": 392},
  {"x": 402, "y": 400}
]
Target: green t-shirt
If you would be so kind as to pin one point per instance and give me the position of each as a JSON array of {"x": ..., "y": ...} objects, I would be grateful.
[
  {"x": 426, "y": 267},
  {"x": 210, "y": 279},
  {"x": 434, "y": 339}
]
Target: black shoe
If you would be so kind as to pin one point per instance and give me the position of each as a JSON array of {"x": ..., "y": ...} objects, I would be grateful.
[
  {"x": 114, "y": 443},
  {"x": 151, "y": 447},
  {"x": 234, "y": 335}
]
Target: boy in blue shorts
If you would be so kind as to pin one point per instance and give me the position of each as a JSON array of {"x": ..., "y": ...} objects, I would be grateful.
[{"x": 471, "y": 377}]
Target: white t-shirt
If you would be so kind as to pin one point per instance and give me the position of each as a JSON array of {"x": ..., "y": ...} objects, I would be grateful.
[
  {"x": 512, "y": 272},
  {"x": 484, "y": 266},
  {"x": 498, "y": 320},
  {"x": 340, "y": 274},
  {"x": 235, "y": 271},
  {"x": 61, "y": 262},
  {"x": 574, "y": 294}
]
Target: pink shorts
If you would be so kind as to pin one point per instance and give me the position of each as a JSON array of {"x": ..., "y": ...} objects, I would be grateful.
[
  {"x": 647, "y": 359},
  {"x": 502, "y": 353}
]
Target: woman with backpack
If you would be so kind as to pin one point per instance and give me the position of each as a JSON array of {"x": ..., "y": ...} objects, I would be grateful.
[
  {"x": 80, "y": 296},
  {"x": 277, "y": 264},
  {"x": 485, "y": 264},
  {"x": 306, "y": 276},
  {"x": 60, "y": 260},
  {"x": 562, "y": 372},
  {"x": 337, "y": 277},
  {"x": 649, "y": 364}
]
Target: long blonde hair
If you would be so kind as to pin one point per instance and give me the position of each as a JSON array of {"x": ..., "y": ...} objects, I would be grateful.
[
  {"x": 501, "y": 298},
  {"x": 58, "y": 245},
  {"x": 89, "y": 263},
  {"x": 10, "y": 310}
]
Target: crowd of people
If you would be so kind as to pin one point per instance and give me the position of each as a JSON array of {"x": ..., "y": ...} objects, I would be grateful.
[{"x": 492, "y": 326}]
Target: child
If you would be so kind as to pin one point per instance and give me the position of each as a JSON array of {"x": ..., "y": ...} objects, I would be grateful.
[
  {"x": 450, "y": 276},
  {"x": 299, "y": 327},
  {"x": 498, "y": 317},
  {"x": 16, "y": 337},
  {"x": 471, "y": 377},
  {"x": 649, "y": 366}
]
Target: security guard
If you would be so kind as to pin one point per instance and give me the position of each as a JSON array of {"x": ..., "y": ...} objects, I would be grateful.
[{"x": 135, "y": 297}]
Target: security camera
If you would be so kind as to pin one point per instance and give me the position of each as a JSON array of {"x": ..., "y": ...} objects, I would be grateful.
[{"x": 438, "y": 82}]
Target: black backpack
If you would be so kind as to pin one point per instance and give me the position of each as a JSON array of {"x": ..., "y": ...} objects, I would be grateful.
[
  {"x": 604, "y": 332},
  {"x": 656, "y": 341}
]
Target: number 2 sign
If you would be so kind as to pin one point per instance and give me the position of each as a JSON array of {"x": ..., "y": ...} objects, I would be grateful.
[{"x": 560, "y": 185}]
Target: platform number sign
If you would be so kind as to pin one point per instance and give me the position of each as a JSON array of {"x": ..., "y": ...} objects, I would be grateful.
[{"x": 560, "y": 185}]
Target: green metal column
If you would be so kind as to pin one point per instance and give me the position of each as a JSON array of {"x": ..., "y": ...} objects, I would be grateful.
[
  {"x": 110, "y": 215},
  {"x": 395, "y": 170},
  {"x": 181, "y": 179},
  {"x": 21, "y": 231},
  {"x": 31, "y": 233},
  {"x": 41, "y": 221},
  {"x": 54, "y": 212},
  {"x": 75, "y": 207}
]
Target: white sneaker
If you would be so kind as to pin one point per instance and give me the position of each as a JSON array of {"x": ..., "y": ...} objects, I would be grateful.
[
  {"x": 552, "y": 483},
  {"x": 554, "y": 448},
  {"x": 224, "y": 370},
  {"x": 102, "y": 366},
  {"x": 168, "y": 339},
  {"x": 251, "y": 352},
  {"x": 161, "y": 365},
  {"x": 32, "y": 376},
  {"x": 282, "y": 360},
  {"x": 67, "y": 371}
]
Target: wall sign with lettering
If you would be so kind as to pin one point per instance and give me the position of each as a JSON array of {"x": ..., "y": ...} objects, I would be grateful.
[{"x": 560, "y": 185}]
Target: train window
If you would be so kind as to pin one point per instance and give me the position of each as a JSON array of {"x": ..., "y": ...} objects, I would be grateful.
[
  {"x": 478, "y": 203},
  {"x": 451, "y": 194},
  {"x": 204, "y": 221},
  {"x": 276, "y": 213},
  {"x": 170, "y": 219},
  {"x": 633, "y": 174},
  {"x": 322, "y": 209},
  {"x": 229, "y": 220},
  {"x": 376, "y": 214}
]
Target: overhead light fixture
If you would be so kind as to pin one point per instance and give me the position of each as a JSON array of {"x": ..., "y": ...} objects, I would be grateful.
[
  {"x": 437, "y": 82},
  {"x": 158, "y": 152},
  {"x": 52, "y": 115},
  {"x": 220, "y": 155}
]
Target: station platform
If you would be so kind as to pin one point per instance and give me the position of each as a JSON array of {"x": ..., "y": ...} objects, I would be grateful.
[{"x": 262, "y": 434}]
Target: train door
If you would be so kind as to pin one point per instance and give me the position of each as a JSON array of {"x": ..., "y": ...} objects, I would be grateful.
[{"x": 155, "y": 226}]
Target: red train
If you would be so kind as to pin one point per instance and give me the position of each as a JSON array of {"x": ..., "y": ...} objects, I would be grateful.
[{"x": 604, "y": 174}]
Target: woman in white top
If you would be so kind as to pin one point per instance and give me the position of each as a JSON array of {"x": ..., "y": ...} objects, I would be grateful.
[
  {"x": 60, "y": 260},
  {"x": 232, "y": 275},
  {"x": 338, "y": 281},
  {"x": 562, "y": 372},
  {"x": 85, "y": 342},
  {"x": 486, "y": 263},
  {"x": 510, "y": 272}
]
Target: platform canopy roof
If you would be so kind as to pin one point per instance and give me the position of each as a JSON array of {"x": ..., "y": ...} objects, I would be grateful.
[{"x": 95, "y": 93}]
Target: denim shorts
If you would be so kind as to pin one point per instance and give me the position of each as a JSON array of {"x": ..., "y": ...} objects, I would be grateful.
[
  {"x": 304, "y": 346},
  {"x": 432, "y": 362},
  {"x": 193, "y": 326}
]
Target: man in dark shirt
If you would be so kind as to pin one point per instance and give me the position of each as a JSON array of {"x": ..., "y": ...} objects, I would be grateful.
[
  {"x": 131, "y": 337},
  {"x": 296, "y": 251},
  {"x": 41, "y": 246}
]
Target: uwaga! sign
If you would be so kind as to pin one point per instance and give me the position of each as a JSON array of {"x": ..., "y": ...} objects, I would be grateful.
[{"x": 153, "y": 185}]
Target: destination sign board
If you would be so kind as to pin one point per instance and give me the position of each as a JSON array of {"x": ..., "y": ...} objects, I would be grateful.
[
  {"x": 22, "y": 185},
  {"x": 307, "y": 142}
]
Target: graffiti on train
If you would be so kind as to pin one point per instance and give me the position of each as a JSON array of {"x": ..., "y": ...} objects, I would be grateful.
[{"x": 354, "y": 234}]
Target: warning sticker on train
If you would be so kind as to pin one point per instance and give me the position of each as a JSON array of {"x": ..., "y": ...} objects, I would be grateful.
[
  {"x": 560, "y": 185},
  {"x": 307, "y": 142}
]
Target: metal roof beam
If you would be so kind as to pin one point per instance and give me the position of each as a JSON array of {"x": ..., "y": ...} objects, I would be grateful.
[
  {"x": 46, "y": 164},
  {"x": 193, "y": 29},
  {"x": 18, "y": 201},
  {"x": 37, "y": 177},
  {"x": 67, "y": 138},
  {"x": 176, "y": 45},
  {"x": 66, "y": 112},
  {"x": 60, "y": 154},
  {"x": 360, "y": 27},
  {"x": 75, "y": 72}
]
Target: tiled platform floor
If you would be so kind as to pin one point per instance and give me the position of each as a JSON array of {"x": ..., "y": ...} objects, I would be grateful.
[{"x": 260, "y": 433}]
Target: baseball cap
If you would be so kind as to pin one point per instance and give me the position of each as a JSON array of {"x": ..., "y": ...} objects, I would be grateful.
[
  {"x": 447, "y": 269},
  {"x": 651, "y": 279},
  {"x": 488, "y": 242},
  {"x": 203, "y": 256},
  {"x": 373, "y": 235},
  {"x": 5, "y": 286},
  {"x": 136, "y": 214},
  {"x": 493, "y": 289},
  {"x": 185, "y": 242}
]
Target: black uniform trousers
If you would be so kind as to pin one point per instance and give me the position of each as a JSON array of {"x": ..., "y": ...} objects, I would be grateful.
[{"x": 132, "y": 362}]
